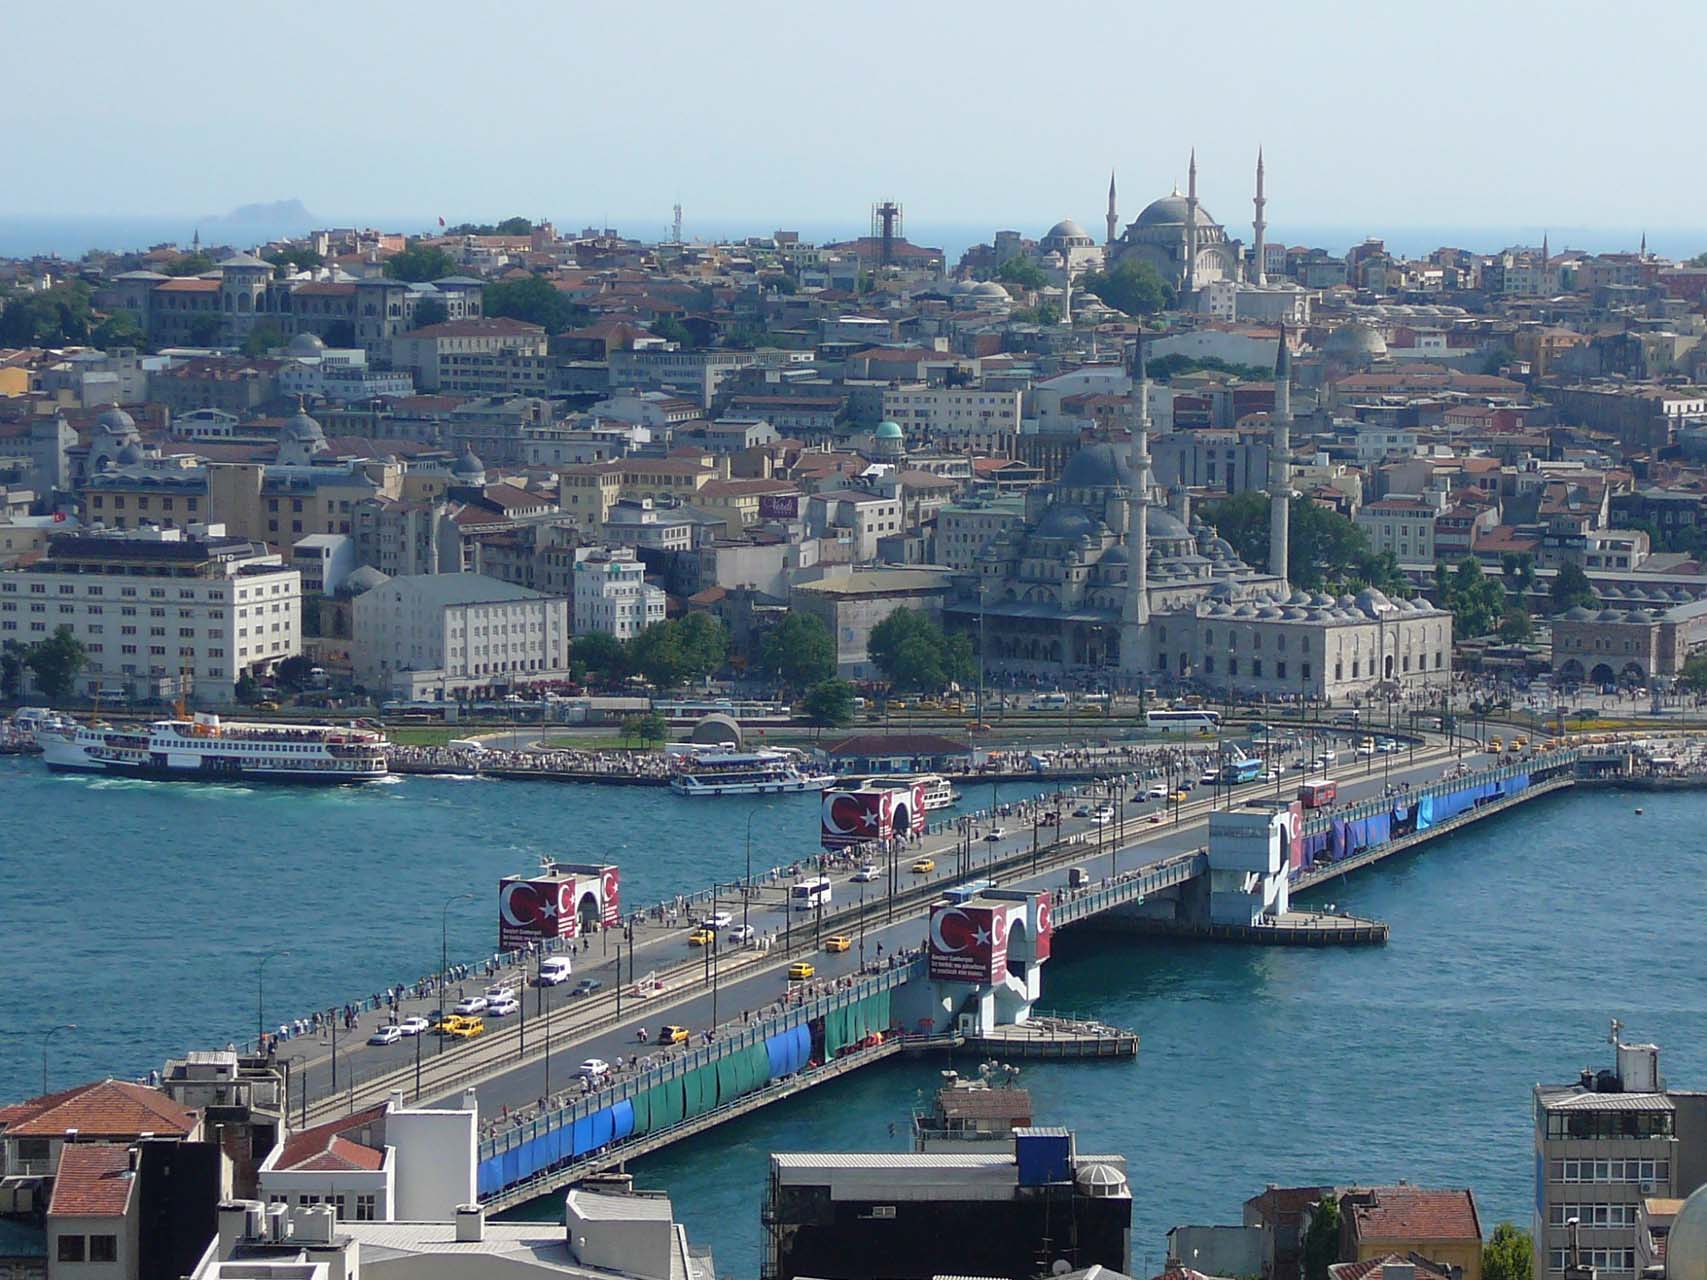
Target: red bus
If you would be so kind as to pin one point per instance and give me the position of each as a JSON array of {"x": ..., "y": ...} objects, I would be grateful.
[{"x": 1316, "y": 794}]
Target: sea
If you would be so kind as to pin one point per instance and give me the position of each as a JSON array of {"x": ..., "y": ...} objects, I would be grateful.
[{"x": 138, "y": 911}]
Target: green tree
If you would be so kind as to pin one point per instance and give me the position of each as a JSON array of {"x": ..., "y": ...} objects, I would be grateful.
[
  {"x": 50, "y": 318},
  {"x": 188, "y": 264},
  {"x": 671, "y": 329},
  {"x": 1516, "y": 627},
  {"x": 262, "y": 339},
  {"x": 799, "y": 650},
  {"x": 301, "y": 257},
  {"x": 1322, "y": 1238},
  {"x": 118, "y": 330},
  {"x": 1324, "y": 550},
  {"x": 601, "y": 654},
  {"x": 1045, "y": 314},
  {"x": 430, "y": 311},
  {"x": 1519, "y": 567},
  {"x": 12, "y": 655},
  {"x": 204, "y": 330},
  {"x": 1508, "y": 1255},
  {"x": 916, "y": 654},
  {"x": 420, "y": 261},
  {"x": 829, "y": 704},
  {"x": 704, "y": 642},
  {"x": 517, "y": 226},
  {"x": 1477, "y": 601},
  {"x": 1021, "y": 272},
  {"x": 1571, "y": 587},
  {"x": 1699, "y": 260},
  {"x": 1131, "y": 286},
  {"x": 56, "y": 662},
  {"x": 248, "y": 690},
  {"x": 1693, "y": 676},
  {"x": 535, "y": 300},
  {"x": 1167, "y": 368},
  {"x": 656, "y": 653},
  {"x": 294, "y": 673},
  {"x": 783, "y": 284},
  {"x": 650, "y": 727}
]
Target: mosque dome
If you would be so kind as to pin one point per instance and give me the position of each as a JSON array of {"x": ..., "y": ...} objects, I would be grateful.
[
  {"x": 130, "y": 455},
  {"x": 1357, "y": 340},
  {"x": 1099, "y": 466},
  {"x": 1172, "y": 210},
  {"x": 303, "y": 428},
  {"x": 1067, "y": 232},
  {"x": 1062, "y": 521},
  {"x": 363, "y": 579},
  {"x": 1686, "y": 1243},
  {"x": 468, "y": 468},
  {"x": 300, "y": 439},
  {"x": 305, "y": 344},
  {"x": 887, "y": 430},
  {"x": 1160, "y": 523},
  {"x": 991, "y": 290},
  {"x": 116, "y": 421}
]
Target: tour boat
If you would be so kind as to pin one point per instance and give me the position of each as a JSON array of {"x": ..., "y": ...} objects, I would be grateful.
[
  {"x": 203, "y": 748},
  {"x": 720, "y": 771}
]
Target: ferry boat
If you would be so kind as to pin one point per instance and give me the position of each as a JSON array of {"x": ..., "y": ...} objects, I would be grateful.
[
  {"x": 720, "y": 771},
  {"x": 203, "y": 748},
  {"x": 938, "y": 793}
]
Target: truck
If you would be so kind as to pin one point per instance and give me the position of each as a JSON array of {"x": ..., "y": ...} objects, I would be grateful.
[{"x": 1314, "y": 795}]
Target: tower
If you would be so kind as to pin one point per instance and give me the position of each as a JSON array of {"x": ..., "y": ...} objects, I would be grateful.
[
  {"x": 676, "y": 225},
  {"x": 1191, "y": 225},
  {"x": 1259, "y": 226},
  {"x": 1541, "y": 284},
  {"x": 1279, "y": 459},
  {"x": 886, "y": 228},
  {"x": 1113, "y": 217},
  {"x": 1135, "y": 611}
]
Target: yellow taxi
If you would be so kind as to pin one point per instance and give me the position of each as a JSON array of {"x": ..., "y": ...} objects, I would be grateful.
[
  {"x": 464, "y": 1028},
  {"x": 800, "y": 970},
  {"x": 1495, "y": 746},
  {"x": 923, "y": 866},
  {"x": 702, "y": 937},
  {"x": 670, "y": 1033},
  {"x": 1518, "y": 744},
  {"x": 837, "y": 942}
]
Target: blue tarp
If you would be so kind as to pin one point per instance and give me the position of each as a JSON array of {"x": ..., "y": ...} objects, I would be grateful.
[
  {"x": 622, "y": 1117},
  {"x": 582, "y": 1141},
  {"x": 778, "y": 1048}
]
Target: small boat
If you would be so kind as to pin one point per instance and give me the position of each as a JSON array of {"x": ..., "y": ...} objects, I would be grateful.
[{"x": 721, "y": 771}]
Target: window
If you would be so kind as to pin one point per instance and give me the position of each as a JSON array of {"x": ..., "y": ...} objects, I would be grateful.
[
  {"x": 364, "y": 1208},
  {"x": 71, "y": 1248},
  {"x": 103, "y": 1248}
]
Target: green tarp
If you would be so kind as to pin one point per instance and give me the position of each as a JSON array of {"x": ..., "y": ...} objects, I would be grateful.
[{"x": 854, "y": 1022}]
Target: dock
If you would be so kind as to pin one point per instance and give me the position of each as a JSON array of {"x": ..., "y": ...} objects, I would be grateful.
[
  {"x": 1292, "y": 929},
  {"x": 1046, "y": 1035}
]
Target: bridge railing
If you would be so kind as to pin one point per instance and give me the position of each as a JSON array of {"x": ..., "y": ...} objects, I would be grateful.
[
  {"x": 1321, "y": 819},
  {"x": 1076, "y": 904}
]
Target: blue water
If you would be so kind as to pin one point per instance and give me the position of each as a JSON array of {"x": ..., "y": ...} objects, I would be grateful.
[{"x": 138, "y": 911}]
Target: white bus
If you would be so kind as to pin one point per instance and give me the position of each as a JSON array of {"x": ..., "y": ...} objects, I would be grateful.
[
  {"x": 741, "y": 710},
  {"x": 1185, "y": 718},
  {"x": 809, "y": 895}
]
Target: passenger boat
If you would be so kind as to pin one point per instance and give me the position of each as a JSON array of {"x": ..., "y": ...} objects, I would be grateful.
[
  {"x": 720, "y": 771},
  {"x": 938, "y": 793},
  {"x": 204, "y": 748}
]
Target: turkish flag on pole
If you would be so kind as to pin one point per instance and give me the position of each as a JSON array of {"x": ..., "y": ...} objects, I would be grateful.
[{"x": 441, "y": 220}]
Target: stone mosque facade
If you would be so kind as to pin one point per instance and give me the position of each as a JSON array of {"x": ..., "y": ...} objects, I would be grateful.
[{"x": 1111, "y": 578}]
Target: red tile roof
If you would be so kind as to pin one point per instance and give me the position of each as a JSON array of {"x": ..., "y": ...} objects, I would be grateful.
[
  {"x": 106, "y": 1109},
  {"x": 324, "y": 1148},
  {"x": 1412, "y": 1213},
  {"x": 1425, "y": 1270},
  {"x": 94, "y": 1180},
  {"x": 482, "y": 327}
]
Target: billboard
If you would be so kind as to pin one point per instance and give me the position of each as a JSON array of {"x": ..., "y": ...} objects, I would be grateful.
[
  {"x": 969, "y": 943},
  {"x": 870, "y": 813},
  {"x": 1045, "y": 925},
  {"x": 1295, "y": 834},
  {"x": 560, "y": 902},
  {"x": 779, "y": 506}
]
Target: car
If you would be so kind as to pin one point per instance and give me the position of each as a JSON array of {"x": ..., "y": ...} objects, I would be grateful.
[
  {"x": 586, "y": 987},
  {"x": 386, "y": 1035},
  {"x": 595, "y": 1069},
  {"x": 1182, "y": 796},
  {"x": 1271, "y": 775},
  {"x": 867, "y": 873},
  {"x": 1158, "y": 816},
  {"x": 1100, "y": 819},
  {"x": 1155, "y": 791},
  {"x": 503, "y": 1006},
  {"x": 742, "y": 933},
  {"x": 923, "y": 866},
  {"x": 718, "y": 920},
  {"x": 1083, "y": 811},
  {"x": 1366, "y": 748},
  {"x": 800, "y": 970},
  {"x": 996, "y": 833},
  {"x": 266, "y": 704},
  {"x": 670, "y": 1033},
  {"x": 1209, "y": 778},
  {"x": 465, "y": 1028},
  {"x": 472, "y": 1005},
  {"x": 837, "y": 942},
  {"x": 414, "y": 1025},
  {"x": 702, "y": 937},
  {"x": 1495, "y": 746},
  {"x": 1387, "y": 746}
]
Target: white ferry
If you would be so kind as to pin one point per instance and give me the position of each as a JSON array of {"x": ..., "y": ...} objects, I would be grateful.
[
  {"x": 719, "y": 771},
  {"x": 938, "y": 793},
  {"x": 202, "y": 748}
]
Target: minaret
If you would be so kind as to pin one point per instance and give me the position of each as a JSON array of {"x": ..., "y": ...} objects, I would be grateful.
[
  {"x": 1135, "y": 613},
  {"x": 1279, "y": 458},
  {"x": 1259, "y": 225},
  {"x": 1191, "y": 225},
  {"x": 1113, "y": 217},
  {"x": 1541, "y": 276}
]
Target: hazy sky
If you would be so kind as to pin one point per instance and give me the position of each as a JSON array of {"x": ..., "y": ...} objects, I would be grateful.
[{"x": 1001, "y": 114}]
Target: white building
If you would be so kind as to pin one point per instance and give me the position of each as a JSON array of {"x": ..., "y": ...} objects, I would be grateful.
[
  {"x": 982, "y": 420},
  {"x": 855, "y": 518},
  {"x": 612, "y": 595},
  {"x": 965, "y": 528},
  {"x": 640, "y": 522},
  {"x": 441, "y": 635},
  {"x": 153, "y": 606},
  {"x": 1402, "y": 525}
]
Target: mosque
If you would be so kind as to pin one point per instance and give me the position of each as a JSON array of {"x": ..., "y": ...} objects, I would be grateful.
[{"x": 1107, "y": 577}]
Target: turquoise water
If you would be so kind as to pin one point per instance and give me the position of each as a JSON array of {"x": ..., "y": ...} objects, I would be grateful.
[{"x": 138, "y": 911}]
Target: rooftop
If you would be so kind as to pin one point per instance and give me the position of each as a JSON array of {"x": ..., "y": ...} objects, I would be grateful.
[
  {"x": 1412, "y": 1213},
  {"x": 105, "y": 1109}
]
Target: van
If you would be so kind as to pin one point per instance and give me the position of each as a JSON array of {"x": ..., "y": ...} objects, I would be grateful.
[
  {"x": 1077, "y": 877},
  {"x": 555, "y": 970}
]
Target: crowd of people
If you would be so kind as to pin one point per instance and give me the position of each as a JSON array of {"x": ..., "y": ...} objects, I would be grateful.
[{"x": 555, "y": 760}]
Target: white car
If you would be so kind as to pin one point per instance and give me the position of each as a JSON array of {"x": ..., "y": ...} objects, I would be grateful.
[
  {"x": 386, "y": 1035},
  {"x": 1387, "y": 746},
  {"x": 415, "y": 1025},
  {"x": 595, "y": 1069},
  {"x": 502, "y": 1006},
  {"x": 471, "y": 1005},
  {"x": 1209, "y": 778},
  {"x": 718, "y": 920},
  {"x": 996, "y": 833},
  {"x": 1101, "y": 819},
  {"x": 742, "y": 933},
  {"x": 867, "y": 873},
  {"x": 1156, "y": 792}
]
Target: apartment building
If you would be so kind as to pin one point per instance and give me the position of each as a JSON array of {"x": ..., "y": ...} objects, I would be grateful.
[
  {"x": 1603, "y": 1146},
  {"x": 1404, "y": 526},
  {"x": 963, "y": 529},
  {"x": 978, "y": 420},
  {"x": 487, "y": 356},
  {"x": 855, "y": 519},
  {"x": 152, "y": 606},
  {"x": 612, "y": 595}
]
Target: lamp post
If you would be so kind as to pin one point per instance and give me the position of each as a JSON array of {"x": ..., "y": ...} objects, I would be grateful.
[
  {"x": 444, "y": 971},
  {"x": 47, "y": 1036},
  {"x": 260, "y": 989}
]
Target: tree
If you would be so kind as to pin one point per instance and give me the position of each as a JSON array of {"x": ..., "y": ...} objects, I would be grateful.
[
  {"x": 204, "y": 330},
  {"x": 1571, "y": 587},
  {"x": 650, "y": 727},
  {"x": 1699, "y": 260},
  {"x": 248, "y": 689},
  {"x": 1508, "y": 1255},
  {"x": 1045, "y": 314},
  {"x": 50, "y": 318},
  {"x": 56, "y": 662},
  {"x": 301, "y": 257},
  {"x": 704, "y": 642},
  {"x": 188, "y": 264},
  {"x": 671, "y": 329},
  {"x": 829, "y": 704},
  {"x": 262, "y": 339},
  {"x": 799, "y": 650},
  {"x": 514, "y": 227},
  {"x": 12, "y": 655},
  {"x": 118, "y": 330},
  {"x": 1021, "y": 272},
  {"x": 535, "y": 300},
  {"x": 1519, "y": 567},
  {"x": 1324, "y": 550},
  {"x": 1322, "y": 1238},
  {"x": 1693, "y": 676},
  {"x": 1131, "y": 286},
  {"x": 294, "y": 673},
  {"x": 420, "y": 261},
  {"x": 1167, "y": 368},
  {"x": 916, "y": 654},
  {"x": 1477, "y": 601},
  {"x": 1515, "y": 627},
  {"x": 656, "y": 653},
  {"x": 430, "y": 311},
  {"x": 601, "y": 654}
]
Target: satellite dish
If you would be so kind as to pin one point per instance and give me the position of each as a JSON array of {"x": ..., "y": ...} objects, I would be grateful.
[{"x": 1060, "y": 1267}]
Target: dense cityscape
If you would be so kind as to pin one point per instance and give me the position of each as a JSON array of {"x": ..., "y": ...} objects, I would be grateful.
[{"x": 1157, "y": 745}]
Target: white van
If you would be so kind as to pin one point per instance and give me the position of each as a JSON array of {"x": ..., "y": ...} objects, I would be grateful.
[{"x": 554, "y": 970}]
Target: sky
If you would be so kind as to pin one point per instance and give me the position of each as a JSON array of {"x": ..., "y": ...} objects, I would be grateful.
[{"x": 993, "y": 114}]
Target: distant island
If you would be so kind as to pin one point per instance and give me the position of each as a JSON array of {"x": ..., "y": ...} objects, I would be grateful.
[{"x": 275, "y": 213}]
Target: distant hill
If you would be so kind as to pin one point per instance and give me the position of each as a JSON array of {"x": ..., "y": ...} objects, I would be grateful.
[{"x": 272, "y": 214}]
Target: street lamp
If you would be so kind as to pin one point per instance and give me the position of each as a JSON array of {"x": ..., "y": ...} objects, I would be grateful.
[
  {"x": 260, "y": 980},
  {"x": 444, "y": 965},
  {"x": 64, "y": 1026}
]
